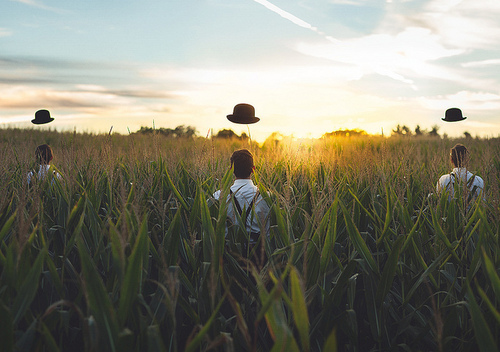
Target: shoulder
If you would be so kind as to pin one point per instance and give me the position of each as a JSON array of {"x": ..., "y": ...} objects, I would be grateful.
[{"x": 445, "y": 178}]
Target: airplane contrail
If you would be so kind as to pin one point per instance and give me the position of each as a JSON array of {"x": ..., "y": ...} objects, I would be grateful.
[{"x": 293, "y": 19}]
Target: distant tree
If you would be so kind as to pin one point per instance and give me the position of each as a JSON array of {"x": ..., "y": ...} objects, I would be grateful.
[
  {"x": 226, "y": 134},
  {"x": 467, "y": 135},
  {"x": 406, "y": 131},
  {"x": 434, "y": 131},
  {"x": 179, "y": 132},
  {"x": 398, "y": 131},
  {"x": 418, "y": 131},
  {"x": 229, "y": 134},
  {"x": 401, "y": 131},
  {"x": 145, "y": 130},
  {"x": 344, "y": 133}
]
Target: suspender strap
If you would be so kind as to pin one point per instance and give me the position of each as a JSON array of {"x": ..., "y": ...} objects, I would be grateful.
[
  {"x": 238, "y": 207},
  {"x": 469, "y": 182}
]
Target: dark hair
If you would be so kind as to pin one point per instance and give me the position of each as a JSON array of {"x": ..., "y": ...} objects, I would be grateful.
[
  {"x": 459, "y": 155},
  {"x": 44, "y": 154},
  {"x": 242, "y": 161}
]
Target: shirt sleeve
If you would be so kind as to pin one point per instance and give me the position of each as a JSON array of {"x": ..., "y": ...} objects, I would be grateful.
[{"x": 217, "y": 194}]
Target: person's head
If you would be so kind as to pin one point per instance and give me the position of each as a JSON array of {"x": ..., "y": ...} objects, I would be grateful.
[
  {"x": 44, "y": 154},
  {"x": 242, "y": 161},
  {"x": 459, "y": 155}
]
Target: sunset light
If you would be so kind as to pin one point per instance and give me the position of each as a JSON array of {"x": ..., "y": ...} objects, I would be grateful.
[{"x": 307, "y": 68}]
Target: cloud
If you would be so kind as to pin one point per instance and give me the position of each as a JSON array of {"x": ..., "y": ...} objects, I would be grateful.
[
  {"x": 482, "y": 63},
  {"x": 466, "y": 100},
  {"x": 42, "y": 6},
  {"x": 4, "y": 32},
  {"x": 460, "y": 24},
  {"x": 408, "y": 53}
]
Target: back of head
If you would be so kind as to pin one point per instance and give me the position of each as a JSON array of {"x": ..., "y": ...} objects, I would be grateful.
[
  {"x": 242, "y": 161},
  {"x": 459, "y": 155},
  {"x": 44, "y": 154}
]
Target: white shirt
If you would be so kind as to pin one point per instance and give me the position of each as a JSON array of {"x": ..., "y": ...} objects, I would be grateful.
[
  {"x": 460, "y": 174},
  {"x": 244, "y": 192},
  {"x": 43, "y": 170}
]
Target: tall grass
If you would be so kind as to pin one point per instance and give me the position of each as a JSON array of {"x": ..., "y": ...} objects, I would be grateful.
[{"x": 126, "y": 253}]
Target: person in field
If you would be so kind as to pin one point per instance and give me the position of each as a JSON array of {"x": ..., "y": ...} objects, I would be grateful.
[
  {"x": 44, "y": 156},
  {"x": 472, "y": 184},
  {"x": 245, "y": 198}
]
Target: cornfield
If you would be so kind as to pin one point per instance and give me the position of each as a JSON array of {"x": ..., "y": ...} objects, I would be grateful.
[{"x": 126, "y": 252}]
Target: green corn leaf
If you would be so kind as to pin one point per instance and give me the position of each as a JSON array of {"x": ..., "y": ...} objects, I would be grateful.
[
  {"x": 281, "y": 225},
  {"x": 7, "y": 330},
  {"x": 55, "y": 277},
  {"x": 196, "y": 341},
  {"x": 133, "y": 275},
  {"x": 492, "y": 274},
  {"x": 330, "y": 238},
  {"x": 389, "y": 272},
  {"x": 208, "y": 231},
  {"x": 75, "y": 215},
  {"x": 49, "y": 342},
  {"x": 331, "y": 342},
  {"x": 491, "y": 306},
  {"x": 484, "y": 337},
  {"x": 436, "y": 263},
  {"x": 26, "y": 293},
  {"x": 358, "y": 241},
  {"x": 117, "y": 250},
  {"x": 388, "y": 215},
  {"x": 7, "y": 226},
  {"x": 155, "y": 342},
  {"x": 299, "y": 309},
  {"x": 413, "y": 230},
  {"x": 98, "y": 300},
  {"x": 174, "y": 189},
  {"x": 442, "y": 236},
  {"x": 172, "y": 239}
]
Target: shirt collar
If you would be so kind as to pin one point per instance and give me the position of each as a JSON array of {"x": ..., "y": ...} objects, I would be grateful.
[{"x": 243, "y": 182}]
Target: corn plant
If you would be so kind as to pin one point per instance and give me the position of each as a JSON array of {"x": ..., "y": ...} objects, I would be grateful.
[{"x": 128, "y": 251}]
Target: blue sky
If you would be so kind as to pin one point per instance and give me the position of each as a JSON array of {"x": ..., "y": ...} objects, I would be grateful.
[{"x": 308, "y": 66}]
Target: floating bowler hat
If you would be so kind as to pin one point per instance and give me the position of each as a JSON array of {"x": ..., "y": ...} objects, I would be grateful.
[
  {"x": 453, "y": 115},
  {"x": 41, "y": 117},
  {"x": 243, "y": 113}
]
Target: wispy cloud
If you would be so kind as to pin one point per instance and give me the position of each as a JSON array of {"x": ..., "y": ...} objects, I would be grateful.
[
  {"x": 482, "y": 63},
  {"x": 4, "y": 32},
  {"x": 40, "y": 5}
]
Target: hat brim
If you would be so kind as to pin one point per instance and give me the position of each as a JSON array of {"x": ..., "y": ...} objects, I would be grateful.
[
  {"x": 454, "y": 120},
  {"x": 242, "y": 120},
  {"x": 41, "y": 122}
]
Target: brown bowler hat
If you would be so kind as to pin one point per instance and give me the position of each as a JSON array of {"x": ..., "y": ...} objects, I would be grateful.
[
  {"x": 244, "y": 114},
  {"x": 453, "y": 115},
  {"x": 41, "y": 117}
]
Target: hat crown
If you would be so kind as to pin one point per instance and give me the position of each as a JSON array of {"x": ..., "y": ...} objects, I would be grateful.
[
  {"x": 243, "y": 113},
  {"x": 41, "y": 117},
  {"x": 244, "y": 110},
  {"x": 453, "y": 114},
  {"x": 42, "y": 114}
]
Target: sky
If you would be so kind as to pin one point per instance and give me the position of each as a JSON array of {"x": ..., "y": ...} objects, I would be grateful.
[{"x": 307, "y": 66}]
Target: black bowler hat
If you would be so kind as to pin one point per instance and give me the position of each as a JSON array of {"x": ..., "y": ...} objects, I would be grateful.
[
  {"x": 453, "y": 115},
  {"x": 243, "y": 113},
  {"x": 41, "y": 117}
]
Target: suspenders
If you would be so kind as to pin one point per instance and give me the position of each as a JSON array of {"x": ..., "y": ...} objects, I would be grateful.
[
  {"x": 238, "y": 207},
  {"x": 253, "y": 235}
]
